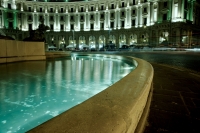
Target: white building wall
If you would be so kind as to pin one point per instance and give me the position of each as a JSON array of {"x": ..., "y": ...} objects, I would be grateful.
[{"x": 154, "y": 13}]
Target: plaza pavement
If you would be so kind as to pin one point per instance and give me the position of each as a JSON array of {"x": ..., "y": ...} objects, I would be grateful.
[{"x": 175, "y": 106}]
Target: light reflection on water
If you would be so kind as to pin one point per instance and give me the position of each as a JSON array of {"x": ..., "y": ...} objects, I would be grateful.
[{"x": 36, "y": 91}]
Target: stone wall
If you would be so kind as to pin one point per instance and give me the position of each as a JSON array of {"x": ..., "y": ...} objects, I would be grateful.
[{"x": 12, "y": 51}]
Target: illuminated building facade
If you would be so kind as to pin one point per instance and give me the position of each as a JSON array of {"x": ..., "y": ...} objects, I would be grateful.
[{"x": 96, "y": 23}]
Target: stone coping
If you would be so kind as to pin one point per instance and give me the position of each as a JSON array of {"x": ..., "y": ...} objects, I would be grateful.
[
  {"x": 116, "y": 109},
  {"x": 56, "y": 54}
]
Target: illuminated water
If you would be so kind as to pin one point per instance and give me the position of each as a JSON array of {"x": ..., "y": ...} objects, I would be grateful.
[{"x": 34, "y": 92}]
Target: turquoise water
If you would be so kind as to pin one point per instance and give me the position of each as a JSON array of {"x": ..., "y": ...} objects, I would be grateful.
[{"x": 36, "y": 91}]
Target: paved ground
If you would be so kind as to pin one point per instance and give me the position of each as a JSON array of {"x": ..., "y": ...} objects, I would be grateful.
[{"x": 175, "y": 105}]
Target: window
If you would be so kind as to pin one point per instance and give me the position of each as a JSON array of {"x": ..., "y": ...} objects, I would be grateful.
[
  {"x": 51, "y": 9},
  {"x": 10, "y": 25},
  {"x": 112, "y": 15},
  {"x": 112, "y": 6},
  {"x": 82, "y": 17},
  {"x": 41, "y": 17},
  {"x": 61, "y": 10},
  {"x": 112, "y": 25},
  {"x": 122, "y": 23},
  {"x": 9, "y": 6},
  {"x": 51, "y": 26},
  {"x": 19, "y": 15},
  {"x": 51, "y": 18},
  {"x": 133, "y": 2},
  {"x": 92, "y": 8},
  {"x": 101, "y": 7},
  {"x": 82, "y": 26},
  {"x": 91, "y": 17},
  {"x": 102, "y": 25},
  {"x": 71, "y": 9},
  {"x": 72, "y": 18},
  {"x": 29, "y": 17},
  {"x": 29, "y": 9},
  {"x": 122, "y": 4},
  {"x": 133, "y": 22},
  {"x": 29, "y": 27},
  {"x": 81, "y": 9},
  {"x": 40, "y": 9},
  {"x": 145, "y": 10},
  {"x": 133, "y": 12},
  {"x": 185, "y": 14},
  {"x": 61, "y": 18},
  {"x": 123, "y": 14},
  {"x": 165, "y": 4},
  {"x": 92, "y": 26},
  {"x": 61, "y": 27},
  {"x": 10, "y": 15},
  {"x": 185, "y": 4},
  {"x": 145, "y": 21},
  {"x": 164, "y": 16},
  {"x": 102, "y": 16},
  {"x": 72, "y": 27}
]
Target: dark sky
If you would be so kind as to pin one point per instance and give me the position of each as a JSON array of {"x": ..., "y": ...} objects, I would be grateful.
[{"x": 64, "y": 0}]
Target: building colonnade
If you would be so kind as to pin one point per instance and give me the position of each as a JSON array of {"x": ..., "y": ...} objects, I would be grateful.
[{"x": 124, "y": 22}]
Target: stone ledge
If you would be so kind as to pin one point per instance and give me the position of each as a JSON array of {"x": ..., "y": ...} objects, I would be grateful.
[
  {"x": 13, "y": 51},
  {"x": 56, "y": 54},
  {"x": 116, "y": 109}
]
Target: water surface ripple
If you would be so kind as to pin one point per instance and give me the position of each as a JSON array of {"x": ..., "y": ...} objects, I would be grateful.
[{"x": 36, "y": 91}]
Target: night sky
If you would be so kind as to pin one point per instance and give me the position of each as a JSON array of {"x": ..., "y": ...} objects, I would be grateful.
[{"x": 65, "y": 0}]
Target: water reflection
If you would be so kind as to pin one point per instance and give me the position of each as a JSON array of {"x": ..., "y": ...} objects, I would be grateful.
[{"x": 33, "y": 92}]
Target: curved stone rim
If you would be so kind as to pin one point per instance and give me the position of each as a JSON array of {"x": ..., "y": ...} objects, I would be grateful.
[{"x": 116, "y": 109}]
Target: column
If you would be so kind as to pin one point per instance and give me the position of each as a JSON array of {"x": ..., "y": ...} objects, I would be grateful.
[
  {"x": 78, "y": 22},
  {"x": 67, "y": 23},
  {"x": 106, "y": 20},
  {"x": 46, "y": 20},
  {"x": 149, "y": 14},
  {"x": 86, "y": 22},
  {"x": 180, "y": 8},
  {"x": 13, "y": 4},
  {"x": 35, "y": 21},
  {"x": 128, "y": 18},
  {"x": 5, "y": 19},
  {"x": 155, "y": 14},
  {"x": 191, "y": 10},
  {"x": 25, "y": 22},
  {"x": 137, "y": 17},
  {"x": 14, "y": 20},
  {"x": 118, "y": 19},
  {"x": 140, "y": 21},
  {"x": 21, "y": 5},
  {"x": 2, "y": 19},
  {"x": 97, "y": 21}
]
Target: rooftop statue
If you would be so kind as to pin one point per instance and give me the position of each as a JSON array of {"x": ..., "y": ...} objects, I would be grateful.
[{"x": 38, "y": 34}]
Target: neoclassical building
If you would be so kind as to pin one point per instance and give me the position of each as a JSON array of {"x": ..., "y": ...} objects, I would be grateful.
[{"x": 97, "y": 23}]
